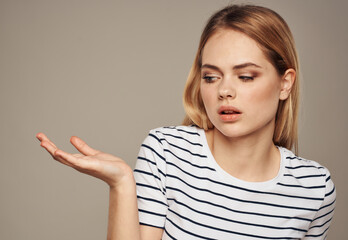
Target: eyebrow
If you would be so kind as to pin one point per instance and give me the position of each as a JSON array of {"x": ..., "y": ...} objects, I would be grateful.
[{"x": 236, "y": 67}]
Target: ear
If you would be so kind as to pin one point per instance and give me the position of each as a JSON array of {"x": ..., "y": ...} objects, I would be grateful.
[{"x": 288, "y": 80}]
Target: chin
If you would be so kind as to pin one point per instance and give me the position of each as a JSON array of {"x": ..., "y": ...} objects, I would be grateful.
[
  {"x": 235, "y": 130},
  {"x": 231, "y": 131}
]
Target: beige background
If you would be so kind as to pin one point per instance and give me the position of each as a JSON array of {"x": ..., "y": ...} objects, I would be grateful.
[{"x": 109, "y": 71}]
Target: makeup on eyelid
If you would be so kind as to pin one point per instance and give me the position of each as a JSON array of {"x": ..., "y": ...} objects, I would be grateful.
[{"x": 245, "y": 76}]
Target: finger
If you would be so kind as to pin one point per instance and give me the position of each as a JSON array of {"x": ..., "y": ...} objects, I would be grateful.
[
  {"x": 71, "y": 160},
  {"x": 40, "y": 135},
  {"x": 82, "y": 147},
  {"x": 51, "y": 148},
  {"x": 43, "y": 137},
  {"x": 62, "y": 160}
]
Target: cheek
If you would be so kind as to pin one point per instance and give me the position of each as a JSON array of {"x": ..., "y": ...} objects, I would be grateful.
[
  {"x": 206, "y": 95},
  {"x": 265, "y": 98}
]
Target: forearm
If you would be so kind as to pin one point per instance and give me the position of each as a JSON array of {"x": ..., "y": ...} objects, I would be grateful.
[{"x": 123, "y": 221}]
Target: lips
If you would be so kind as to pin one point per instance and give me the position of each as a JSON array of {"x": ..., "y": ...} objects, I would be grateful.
[
  {"x": 229, "y": 113},
  {"x": 228, "y": 110}
]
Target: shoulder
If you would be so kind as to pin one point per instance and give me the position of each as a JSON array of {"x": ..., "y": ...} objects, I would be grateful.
[
  {"x": 309, "y": 174},
  {"x": 313, "y": 182},
  {"x": 184, "y": 134},
  {"x": 294, "y": 162},
  {"x": 182, "y": 131},
  {"x": 166, "y": 137}
]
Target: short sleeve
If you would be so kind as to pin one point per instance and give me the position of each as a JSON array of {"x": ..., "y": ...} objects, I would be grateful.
[
  {"x": 150, "y": 176},
  {"x": 319, "y": 227}
]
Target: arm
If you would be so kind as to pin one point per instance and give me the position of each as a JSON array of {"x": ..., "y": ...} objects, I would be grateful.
[
  {"x": 123, "y": 216},
  {"x": 123, "y": 221}
]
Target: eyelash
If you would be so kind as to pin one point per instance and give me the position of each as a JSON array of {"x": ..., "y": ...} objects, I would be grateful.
[
  {"x": 210, "y": 79},
  {"x": 246, "y": 78}
]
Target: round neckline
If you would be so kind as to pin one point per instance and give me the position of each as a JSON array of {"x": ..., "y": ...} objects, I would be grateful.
[{"x": 225, "y": 176}]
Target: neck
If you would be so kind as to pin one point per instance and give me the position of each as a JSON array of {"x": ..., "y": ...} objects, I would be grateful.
[{"x": 251, "y": 158}]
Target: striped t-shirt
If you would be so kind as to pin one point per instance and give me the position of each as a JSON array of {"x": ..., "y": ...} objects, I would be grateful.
[{"x": 183, "y": 190}]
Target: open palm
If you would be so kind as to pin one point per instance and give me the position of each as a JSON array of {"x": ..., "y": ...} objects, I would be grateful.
[{"x": 106, "y": 167}]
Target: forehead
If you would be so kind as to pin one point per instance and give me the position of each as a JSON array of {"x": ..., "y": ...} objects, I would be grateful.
[{"x": 232, "y": 47}]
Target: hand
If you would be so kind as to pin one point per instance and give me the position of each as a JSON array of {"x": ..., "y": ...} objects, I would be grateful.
[{"x": 112, "y": 170}]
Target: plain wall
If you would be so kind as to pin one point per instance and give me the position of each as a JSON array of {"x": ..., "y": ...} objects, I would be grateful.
[{"x": 109, "y": 71}]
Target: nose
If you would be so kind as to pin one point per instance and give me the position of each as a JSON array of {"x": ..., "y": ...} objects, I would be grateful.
[{"x": 226, "y": 90}]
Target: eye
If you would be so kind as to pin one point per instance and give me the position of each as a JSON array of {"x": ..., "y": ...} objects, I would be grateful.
[
  {"x": 210, "y": 79},
  {"x": 246, "y": 78}
]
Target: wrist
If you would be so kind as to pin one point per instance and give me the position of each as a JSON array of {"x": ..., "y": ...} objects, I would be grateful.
[{"x": 126, "y": 186}]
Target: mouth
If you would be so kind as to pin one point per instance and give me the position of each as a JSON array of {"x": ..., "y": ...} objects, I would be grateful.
[
  {"x": 229, "y": 114},
  {"x": 226, "y": 110}
]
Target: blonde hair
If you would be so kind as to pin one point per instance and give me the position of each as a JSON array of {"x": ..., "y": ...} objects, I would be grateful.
[{"x": 274, "y": 37}]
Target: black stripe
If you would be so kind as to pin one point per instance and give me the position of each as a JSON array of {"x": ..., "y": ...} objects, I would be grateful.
[
  {"x": 147, "y": 160},
  {"x": 319, "y": 226},
  {"x": 188, "y": 162},
  {"x": 152, "y": 200},
  {"x": 153, "y": 150},
  {"x": 328, "y": 205},
  {"x": 149, "y": 186},
  {"x": 307, "y": 176},
  {"x": 329, "y": 193},
  {"x": 294, "y": 157},
  {"x": 152, "y": 213},
  {"x": 169, "y": 234},
  {"x": 324, "y": 215},
  {"x": 154, "y": 136},
  {"x": 150, "y": 225},
  {"x": 182, "y": 130},
  {"x": 224, "y": 230},
  {"x": 303, "y": 166},
  {"x": 183, "y": 149},
  {"x": 153, "y": 163},
  {"x": 328, "y": 178},
  {"x": 244, "y": 189},
  {"x": 240, "y": 200},
  {"x": 235, "y": 221},
  {"x": 147, "y": 173},
  {"x": 299, "y": 186},
  {"x": 181, "y": 138},
  {"x": 237, "y": 211},
  {"x": 319, "y": 235}
]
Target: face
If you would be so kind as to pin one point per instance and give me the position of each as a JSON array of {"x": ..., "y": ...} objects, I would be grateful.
[{"x": 240, "y": 88}]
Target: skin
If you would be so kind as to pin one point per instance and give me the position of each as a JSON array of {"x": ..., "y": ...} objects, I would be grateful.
[{"x": 236, "y": 73}]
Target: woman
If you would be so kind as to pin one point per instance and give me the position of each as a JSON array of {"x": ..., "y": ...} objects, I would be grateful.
[{"x": 227, "y": 173}]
